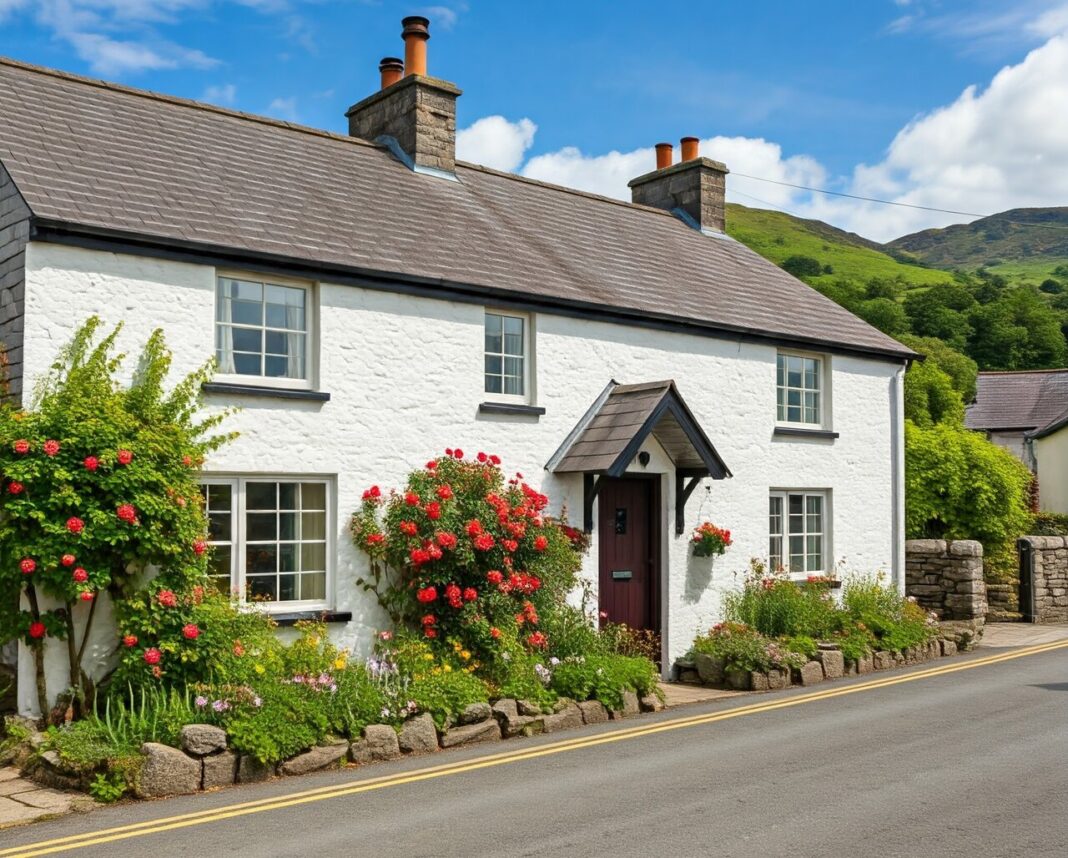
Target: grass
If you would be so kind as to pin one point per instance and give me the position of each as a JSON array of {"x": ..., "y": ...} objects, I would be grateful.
[
  {"x": 777, "y": 236},
  {"x": 1029, "y": 270}
]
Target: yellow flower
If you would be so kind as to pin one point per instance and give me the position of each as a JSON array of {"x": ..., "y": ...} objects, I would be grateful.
[
  {"x": 428, "y": 657},
  {"x": 465, "y": 655},
  {"x": 435, "y": 671},
  {"x": 447, "y": 668},
  {"x": 260, "y": 669}
]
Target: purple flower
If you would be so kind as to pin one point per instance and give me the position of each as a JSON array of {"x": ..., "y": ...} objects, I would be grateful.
[
  {"x": 200, "y": 701},
  {"x": 257, "y": 702},
  {"x": 220, "y": 705}
]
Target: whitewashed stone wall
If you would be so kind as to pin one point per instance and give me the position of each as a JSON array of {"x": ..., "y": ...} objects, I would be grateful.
[{"x": 405, "y": 377}]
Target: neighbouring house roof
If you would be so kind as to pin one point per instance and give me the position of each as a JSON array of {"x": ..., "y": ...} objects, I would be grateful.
[
  {"x": 1033, "y": 401},
  {"x": 609, "y": 435},
  {"x": 100, "y": 159}
]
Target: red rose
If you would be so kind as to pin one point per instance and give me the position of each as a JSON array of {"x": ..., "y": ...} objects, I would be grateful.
[
  {"x": 458, "y": 453},
  {"x": 86, "y": 595},
  {"x": 452, "y": 592},
  {"x": 448, "y": 451},
  {"x": 482, "y": 457},
  {"x": 199, "y": 547},
  {"x": 419, "y": 556},
  {"x": 495, "y": 460},
  {"x": 433, "y": 511},
  {"x": 433, "y": 551},
  {"x": 15, "y": 487},
  {"x": 411, "y": 498},
  {"x": 375, "y": 539},
  {"x": 22, "y": 446},
  {"x": 187, "y": 461},
  {"x": 427, "y": 594},
  {"x": 124, "y": 457},
  {"x": 129, "y": 640},
  {"x": 372, "y": 493},
  {"x": 75, "y": 524},
  {"x": 494, "y": 576},
  {"x": 28, "y": 565},
  {"x": 537, "y": 640},
  {"x": 152, "y": 655},
  {"x": 37, "y": 630},
  {"x": 430, "y": 632},
  {"x": 67, "y": 560},
  {"x": 126, "y": 512},
  {"x": 470, "y": 594},
  {"x": 474, "y": 527},
  {"x": 190, "y": 631},
  {"x": 444, "y": 492},
  {"x": 408, "y": 528},
  {"x": 80, "y": 575},
  {"x": 447, "y": 540},
  {"x": 484, "y": 542},
  {"x": 432, "y": 465},
  {"x": 429, "y": 620},
  {"x": 91, "y": 463},
  {"x": 50, "y": 447},
  {"x": 510, "y": 545},
  {"x": 239, "y": 650},
  {"x": 167, "y": 599},
  {"x": 495, "y": 633},
  {"x": 540, "y": 543}
]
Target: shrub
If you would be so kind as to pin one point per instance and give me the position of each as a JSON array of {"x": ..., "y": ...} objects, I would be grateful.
[
  {"x": 895, "y": 622},
  {"x": 603, "y": 678},
  {"x": 464, "y": 555},
  {"x": 744, "y": 648},
  {"x": 802, "y": 266},
  {"x": 1048, "y": 524},
  {"x": 776, "y": 606},
  {"x": 99, "y": 482}
]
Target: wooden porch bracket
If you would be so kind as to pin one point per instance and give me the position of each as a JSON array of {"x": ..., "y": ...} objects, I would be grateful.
[
  {"x": 683, "y": 489},
  {"x": 591, "y": 484}
]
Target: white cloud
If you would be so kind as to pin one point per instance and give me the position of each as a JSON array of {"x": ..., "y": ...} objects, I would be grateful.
[
  {"x": 495, "y": 142},
  {"x": 283, "y": 108},
  {"x": 224, "y": 94}
]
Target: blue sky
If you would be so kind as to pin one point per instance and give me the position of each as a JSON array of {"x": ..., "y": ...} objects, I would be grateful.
[{"x": 816, "y": 93}]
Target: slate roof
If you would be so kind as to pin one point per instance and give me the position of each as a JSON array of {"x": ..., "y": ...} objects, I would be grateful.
[
  {"x": 100, "y": 157},
  {"x": 608, "y": 436},
  {"x": 1033, "y": 400}
]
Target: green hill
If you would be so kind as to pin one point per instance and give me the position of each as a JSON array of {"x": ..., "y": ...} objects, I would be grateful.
[
  {"x": 1021, "y": 244},
  {"x": 778, "y": 237}
]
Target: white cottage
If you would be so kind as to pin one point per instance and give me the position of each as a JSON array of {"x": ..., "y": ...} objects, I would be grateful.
[{"x": 371, "y": 301}]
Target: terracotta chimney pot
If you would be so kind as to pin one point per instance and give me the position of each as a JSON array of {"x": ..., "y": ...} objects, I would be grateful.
[
  {"x": 392, "y": 69},
  {"x": 689, "y": 148},
  {"x": 664, "y": 154},
  {"x": 416, "y": 32}
]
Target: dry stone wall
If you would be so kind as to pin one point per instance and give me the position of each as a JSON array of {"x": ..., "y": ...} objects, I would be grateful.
[
  {"x": 1046, "y": 559},
  {"x": 946, "y": 577}
]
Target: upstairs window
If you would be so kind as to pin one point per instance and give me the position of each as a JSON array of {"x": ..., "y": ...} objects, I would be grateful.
[
  {"x": 799, "y": 388},
  {"x": 262, "y": 330},
  {"x": 507, "y": 356}
]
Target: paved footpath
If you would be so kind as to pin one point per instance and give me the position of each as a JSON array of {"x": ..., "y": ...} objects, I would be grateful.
[{"x": 24, "y": 801}]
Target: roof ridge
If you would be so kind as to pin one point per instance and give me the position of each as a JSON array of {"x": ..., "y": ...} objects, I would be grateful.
[
  {"x": 1022, "y": 371},
  {"x": 178, "y": 101}
]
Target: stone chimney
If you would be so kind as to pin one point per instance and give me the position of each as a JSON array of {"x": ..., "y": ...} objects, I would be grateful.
[
  {"x": 694, "y": 189},
  {"x": 414, "y": 114}
]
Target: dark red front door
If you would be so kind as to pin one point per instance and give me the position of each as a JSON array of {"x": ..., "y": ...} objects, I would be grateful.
[{"x": 629, "y": 551}]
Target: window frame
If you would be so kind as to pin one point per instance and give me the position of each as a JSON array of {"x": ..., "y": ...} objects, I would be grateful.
[
  {"x": 527, "y": 397},
  {"x": 238, "y": 583},
  {"x": 823, "y": 374},
  {"x": 311, "y": 332},
  {"x": 825, "y": 533}
]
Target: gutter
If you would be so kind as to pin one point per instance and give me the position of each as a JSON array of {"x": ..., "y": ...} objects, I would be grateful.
[
  {"x": 897, "y": 473},
  {"x": 184, "y": 250}
]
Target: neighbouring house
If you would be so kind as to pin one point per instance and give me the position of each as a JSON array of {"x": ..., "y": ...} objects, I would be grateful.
[
  {"x": 1026, "y": 412},
  {"x": 371, "y": 301}
]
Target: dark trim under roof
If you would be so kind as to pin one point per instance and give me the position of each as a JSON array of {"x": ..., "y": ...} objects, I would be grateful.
[
  {"x": 120, "y": 241},
  {"x": 612, "y": 431}
]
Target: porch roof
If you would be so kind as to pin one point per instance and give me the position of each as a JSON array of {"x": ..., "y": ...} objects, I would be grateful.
[{"x": 611, "y": 432}]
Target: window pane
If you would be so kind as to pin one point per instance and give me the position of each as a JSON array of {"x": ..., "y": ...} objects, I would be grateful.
[
  {"x": 287, "y": 588},
  {"x": 219, "y": 562},
  {"x": 493, "y": 364},
  {"x": 780, "y": 370},
  {"x": 263, "y": 587},
  {"x": 261, "y": 526},
  {"x": 287, "y": 525},
  {"x": 313, "y": 586},
  {"x": 287, "y": 496},
  {"x": 287, "y": 558},
  {"x": 313, "y": 556},
  {"x": 218, "y": 496},
  {"x": 796, "y": 504},
  {"x": 513, "y": 344},
  {"x": 812, "y": 369},
  {"x": 494, "y": 384},
  {"x": 219, "y": 527},
  {"x": 261, "y": 558},
  {"x": 313, "y": 497},
  {"x": 493, "y": 333},
  {"x": 244, "y": 364},
  {"x": 313, "y": 525},
  {"x": 247, "y": 340},
  {"x": 261, "y": 495}
]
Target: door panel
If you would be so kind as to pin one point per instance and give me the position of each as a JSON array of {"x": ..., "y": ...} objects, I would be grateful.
[{"x": 629, "y": 583}]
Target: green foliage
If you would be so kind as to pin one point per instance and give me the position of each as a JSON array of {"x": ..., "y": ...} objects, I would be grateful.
[
  {"x": 1051, "y": 286},
  {"x": 961, "y": 369},
  {"x": 930, "y": 396},
  {"x": 958, "y": 485},
  {"x": 100, "y": 482},
  {"x": 744, "y": 648},
  {"x": 885, "y": 314},
  {"x": 1017, "y": 331},
  {"x": 802, "y": 266},
  {"x": 108, "y": 787},
  {"x": 896, "y": 623},
  {"x": 1048, "y": 524},
  {"x": 604, "y": 678},
  {"x": 778, "y": 607}
]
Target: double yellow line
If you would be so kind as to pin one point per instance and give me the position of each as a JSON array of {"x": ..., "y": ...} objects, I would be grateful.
[{"x": 185, "y": 820}]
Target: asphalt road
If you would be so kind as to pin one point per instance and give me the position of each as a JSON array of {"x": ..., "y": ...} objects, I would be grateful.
[{"x": 970, "y": 763}]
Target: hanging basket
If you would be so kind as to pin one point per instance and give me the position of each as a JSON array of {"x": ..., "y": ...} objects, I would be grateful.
[{"x": 709, "y": 540}]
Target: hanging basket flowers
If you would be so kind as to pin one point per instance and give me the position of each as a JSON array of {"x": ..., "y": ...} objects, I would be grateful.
[{"x": 710, "y": 541}]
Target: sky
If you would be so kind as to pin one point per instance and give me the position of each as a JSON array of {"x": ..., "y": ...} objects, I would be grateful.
[{"x": 948, "y": 104}]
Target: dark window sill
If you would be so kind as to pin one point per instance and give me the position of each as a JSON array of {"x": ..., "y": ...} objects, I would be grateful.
[
  {"x": 510, "y": 408},
  {"x": 271, "y": 392},
  {"x": 294, "y": 617},
  {"x": 792, "y": 432}
]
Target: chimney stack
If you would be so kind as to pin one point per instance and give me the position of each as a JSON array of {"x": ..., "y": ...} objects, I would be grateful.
[
  {"x": 412, "y": 114},
  {"x": 392, "y": 69},
  {"x": 664, "y": 155},
  {"x": 694, "y": 189}
]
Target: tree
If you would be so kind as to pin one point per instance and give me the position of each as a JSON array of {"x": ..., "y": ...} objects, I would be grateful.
[
  {"x": 1051, "y": 286},
  {"x": 1017, "y": 331},
  {"x": 885, "y": 314},
  {"x": 100, "y": 482},
  {"x": 941, "y": 311},
  {"x": 802, "y": 266},
  {"x": 930, "y": 396},
  {"x": 961, "y": 369}
]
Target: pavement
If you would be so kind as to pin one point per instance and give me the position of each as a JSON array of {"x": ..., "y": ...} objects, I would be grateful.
[
  {"x": 965, "y": 756},
  {"x": 24, "y": 801}
]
